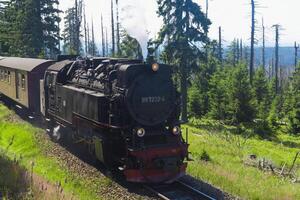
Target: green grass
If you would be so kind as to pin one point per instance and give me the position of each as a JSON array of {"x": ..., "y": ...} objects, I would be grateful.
[
  {"x": 12, "y": 182},
  {"x": 19, "y": 140},
  {"x": 227, "y": 171}
]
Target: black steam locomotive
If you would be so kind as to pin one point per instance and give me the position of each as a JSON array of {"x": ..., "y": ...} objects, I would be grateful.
[{"x": 125, "y": 111}]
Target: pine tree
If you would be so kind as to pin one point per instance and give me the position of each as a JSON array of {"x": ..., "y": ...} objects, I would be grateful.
[
  {"x": 240, "y": 96},
  {"x": 31, "y": 28},
  {"x": 72, "y": 29},
  {"x": 69, "y": 33},
  {"x": 130, "y": 47},
  {"x": 219, "y": 94},
  {"x": 3, "y": 5},
  {"x": 294, "y": 114},
  {"x": 184, "y": 24},
  {"x": 77, "y": 24},
  {"x": 261, "y": 93},
  {"x": 50, "y": 24},
  {"x": 26, "y": 28}
]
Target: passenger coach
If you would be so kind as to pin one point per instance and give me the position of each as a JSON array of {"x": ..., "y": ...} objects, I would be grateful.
[{"x": 20, "y": 81}]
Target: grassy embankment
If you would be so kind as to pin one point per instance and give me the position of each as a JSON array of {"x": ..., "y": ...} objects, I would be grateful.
[
  {"x": 227, "y": 170},
  {"x": 18, "y": 140},
  {"x": 12, "y": 179}
]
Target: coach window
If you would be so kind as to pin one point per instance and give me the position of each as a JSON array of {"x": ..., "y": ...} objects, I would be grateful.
[
  {"x": 23, "y": 81},
  {"x": 5, "y": 75}
]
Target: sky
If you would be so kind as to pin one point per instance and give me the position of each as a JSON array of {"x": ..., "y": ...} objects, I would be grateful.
[{"x": 139, "y": 18}]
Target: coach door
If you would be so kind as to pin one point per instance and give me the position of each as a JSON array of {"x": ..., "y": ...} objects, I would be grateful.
[
  {"x": 17, "y": 78},
  {"x": 51, "y": 87}
]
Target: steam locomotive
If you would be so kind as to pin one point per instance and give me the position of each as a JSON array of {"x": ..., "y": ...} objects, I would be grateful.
[{"x": 125, "y": 111}]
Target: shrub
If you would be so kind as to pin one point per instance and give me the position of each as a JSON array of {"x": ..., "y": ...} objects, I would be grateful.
[{"x": 205, "y": 156}]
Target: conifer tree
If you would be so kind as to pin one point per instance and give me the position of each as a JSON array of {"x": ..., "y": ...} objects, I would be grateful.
[
  {"x": 218, "y": 95},
  {"x": 294, "y": 114},
  {"x": 72, "y": 29},
  {"x": 69, "y": 33},
  {"x": 184, "y": 25},
  {"x": 240, "y": 96},
  {"x": 31, "y": 28},
  {"x": 50, "y": 24},
  {"x": 261, "y": 93},
  {"x": 130, "y": 47}
]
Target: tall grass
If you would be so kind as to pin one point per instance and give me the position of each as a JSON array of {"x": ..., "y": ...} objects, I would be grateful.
[
  {"x": 226, "y": 169},
  {"x": 19, "y": 141}
]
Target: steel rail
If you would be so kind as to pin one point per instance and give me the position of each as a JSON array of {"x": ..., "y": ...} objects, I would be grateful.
[{"x": 178, "y": 191}]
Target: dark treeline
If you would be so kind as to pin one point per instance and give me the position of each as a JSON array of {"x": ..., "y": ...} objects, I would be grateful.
[{"x": 29, "y": 28}]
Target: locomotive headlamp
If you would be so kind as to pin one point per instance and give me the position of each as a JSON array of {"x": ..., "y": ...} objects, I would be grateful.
[
  {"x": 155, "y": 67},
  {"x": 141, "y": 132},
  {"x": 176, "y": 130}
]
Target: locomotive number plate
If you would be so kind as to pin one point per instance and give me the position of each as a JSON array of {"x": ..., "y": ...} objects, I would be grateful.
[{"x": 153, "y": 99}]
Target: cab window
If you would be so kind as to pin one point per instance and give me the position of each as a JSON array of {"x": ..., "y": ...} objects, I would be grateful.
[{"x": 23, "y": 82}]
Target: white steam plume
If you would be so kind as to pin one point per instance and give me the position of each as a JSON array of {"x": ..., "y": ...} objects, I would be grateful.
[{"x": 139, "y": 19}]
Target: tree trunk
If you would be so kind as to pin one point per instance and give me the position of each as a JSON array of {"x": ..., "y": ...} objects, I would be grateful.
[
  {"x": 103, "y": 38},
  {"x": 252, "y": 40},
  {"x": 296, "y": 55},
  {"x": 220, "y": 44},
  {"x": 263, "y": 47},
  {"x": 85, "y": 33},
  {"x": 118, "y": 28},
  {"x": 276, "y": 57},
  {"x": 183, "y": 85},
  {"x": 241, "y": 50},
  {"x": 93, "y": 40},
  {"x": 112, "y": 28}
]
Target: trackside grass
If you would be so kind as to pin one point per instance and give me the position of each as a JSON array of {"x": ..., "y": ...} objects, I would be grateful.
[
  {"x": 227, "y": 170},
  {"x": 18, "y": 140}
]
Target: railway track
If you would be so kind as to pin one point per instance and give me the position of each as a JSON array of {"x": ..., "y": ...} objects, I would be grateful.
[{"x": 178, "y": 191}]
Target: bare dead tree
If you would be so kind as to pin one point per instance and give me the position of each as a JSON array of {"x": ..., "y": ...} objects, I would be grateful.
[
  {"x": 88, "y": 38},
  {"x": 85, "y": 32},
  {"x": 220, "y": 44},
  {"x": 103, "y": 38},
  {"x": 118, "y": 28},
  {"x": 237, "y": 50},
  {"x": 263, "y": 46},
  {"x": 93, "y": 40},
  {"x": 78, "y": 20},
  {"x": 106, "y": 41},
  {"x": 276, "y": 56},
  {"x": 113, "y": 28},
  {"x": 252, "y": 40},
  {"x": 58, "y": 32},
  {"x": 296, "y": 54},
  {"x": 241, "y": 50}
]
